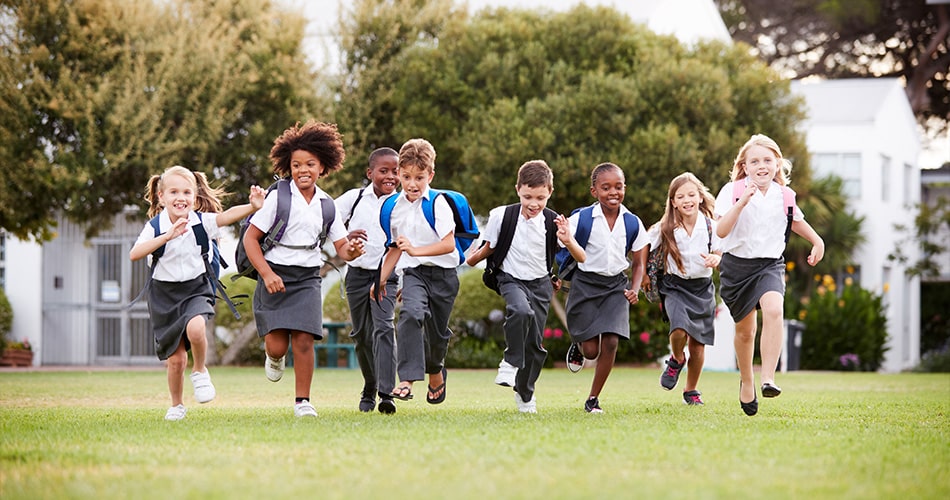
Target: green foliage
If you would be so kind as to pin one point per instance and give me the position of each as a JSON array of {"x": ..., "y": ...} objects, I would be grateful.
[
  {"x": 222, "y": 314},
  {"x": 935, "y": 361},
  {"x": 930, "y": 224},
  {"x": 98, "y": 95},
  {"x": 844, "y": 330},
  {"x": 6, "y": 318},
  {"x": 335, "y": 307}
]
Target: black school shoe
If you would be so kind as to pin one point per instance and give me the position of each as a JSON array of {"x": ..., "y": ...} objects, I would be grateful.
[
  {"x": 770, "y": 391},
  {"x": 592, "y": 405},
  {"x": 750, "y": 408},
  {"x": 387, "y": 406},
  {"x": 368, "y": 399}
]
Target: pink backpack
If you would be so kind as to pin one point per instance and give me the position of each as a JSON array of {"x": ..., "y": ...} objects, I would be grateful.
[{"x": 788, "y": 196}]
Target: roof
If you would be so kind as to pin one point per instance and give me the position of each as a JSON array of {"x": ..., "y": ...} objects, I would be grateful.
[{"x": 850, "y": 100}]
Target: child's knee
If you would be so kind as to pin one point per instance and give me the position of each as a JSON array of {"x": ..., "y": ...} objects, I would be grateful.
[{"x": 177, "y": 361}]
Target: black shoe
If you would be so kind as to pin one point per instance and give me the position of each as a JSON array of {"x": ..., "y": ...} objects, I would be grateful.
[
  {"x": 693, "y": 398},
  {"x": 750, "y": 408},
  {"x": 671, "y": 374},
  {"x": 770, "y": 390},
  {"x": 387, "y": 406},
  {"x": 575, "y": 359},
  {"x": 592, "y": 405},
  {"x": 368, "y": 399}
]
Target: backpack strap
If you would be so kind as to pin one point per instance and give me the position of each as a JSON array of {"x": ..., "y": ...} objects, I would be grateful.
[
  {"x": 632, "y": 227},
  {"x": 550, "y": 238},
  {"x": 428, "y": 207},
  {"x": 709, "y": 235},
  {"x": 359, "y": 196},
  {"x": 788, "y": 200},
  {"x": 385, "y": 217},
  {"x": 585, "y": 220},
  {"x": 505, "y": 235},
  {"x": 328, "y": 209}
]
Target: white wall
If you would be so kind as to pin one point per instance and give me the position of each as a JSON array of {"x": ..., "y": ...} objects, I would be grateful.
[{"x": 24, "y": 291}]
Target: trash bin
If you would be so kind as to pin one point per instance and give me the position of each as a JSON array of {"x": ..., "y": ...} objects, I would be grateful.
[{"x": 793, "y": 343}]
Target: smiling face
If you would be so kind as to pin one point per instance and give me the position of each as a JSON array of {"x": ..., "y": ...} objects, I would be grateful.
[
  {"x": 384, "y": 174},
  {"x": 305, "y": 169},
  {"x": 761, "y": 165},
  {"x": 686, "y": 200},
  {"x": 414, "y": 181},
  {"x": 608, "y": 187},
  {"x": 177, "y": 195},
  {"x": 533, "y": 199}
]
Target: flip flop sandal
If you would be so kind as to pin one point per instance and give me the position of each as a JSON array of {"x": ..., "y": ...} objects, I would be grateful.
[
  {"x": 441, "y": 397},
  {"x": 402, "y": 393}
]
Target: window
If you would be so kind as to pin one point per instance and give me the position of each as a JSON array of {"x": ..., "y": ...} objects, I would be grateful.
[
  {"x": 885, "y": 178},
  {"x": 847, "y": 166},
  {"x": 908, "y": 184}
]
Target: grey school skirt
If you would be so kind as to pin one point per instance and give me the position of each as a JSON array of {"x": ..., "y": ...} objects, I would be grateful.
[
  {"x": 596, "y": 304},
  {"x": 690, "y": 305},
  {"x": 299, "y": 308},
  {"x": 171, "y": 305},
  {"x": 742, "y": 282}
]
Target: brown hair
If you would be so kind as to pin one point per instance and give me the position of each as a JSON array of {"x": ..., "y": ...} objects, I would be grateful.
[
  {"x": 671, "y": 217},
  {"x": 417, "y": 153},
  {"x": 535, "y": 173}
]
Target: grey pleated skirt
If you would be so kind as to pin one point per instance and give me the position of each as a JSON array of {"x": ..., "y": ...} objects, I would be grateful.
[
  {"x": 742, "y": 282},
  {"x": 596, "y": 304},
  {"x": 171, "y": 305},
  {"x": 690, "y": 305},
  {"x": 299, "y": 308}
]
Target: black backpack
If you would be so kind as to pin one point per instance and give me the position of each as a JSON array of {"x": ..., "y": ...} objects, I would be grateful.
[
  {"x": 273, "y": 235},
  {"x": 507, "y": 233}
]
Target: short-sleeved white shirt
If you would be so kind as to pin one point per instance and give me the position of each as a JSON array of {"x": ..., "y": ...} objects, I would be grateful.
[
  {"x": 407, "y": 219},
  {"x": 605, "y": 250},
  {"x": 303, "y": 228},
  {"x": 759, "y": 231},
  {"x": 691, "y": 247},
  {"x": 527, "y": 256},
  {"x": 365, "y": 217},
  {"x": 182, "y": 258}
]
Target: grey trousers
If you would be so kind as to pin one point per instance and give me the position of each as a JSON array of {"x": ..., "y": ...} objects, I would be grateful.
[
  {"x": 373, "y": 330},
  {"x": 526, "y": 311},
  {"x": 428, "y": 294}
]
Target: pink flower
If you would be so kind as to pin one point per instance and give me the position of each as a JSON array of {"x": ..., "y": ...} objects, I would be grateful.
[
  {"x": 547, "y": 333},
  {"x": 558, "y": 333},
  {"x": 645, "y": 337}
]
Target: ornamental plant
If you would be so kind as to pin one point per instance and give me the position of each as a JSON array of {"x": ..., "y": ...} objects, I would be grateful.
[
  {"x": 6, "y": 318},
  {"x": 845, "y": 328}
]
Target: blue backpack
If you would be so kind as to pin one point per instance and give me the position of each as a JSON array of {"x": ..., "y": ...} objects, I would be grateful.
[
  {"x": 565, "y": 262},
  {"x": 466, "y": 229},
  {"x": 276, "y": 232}
]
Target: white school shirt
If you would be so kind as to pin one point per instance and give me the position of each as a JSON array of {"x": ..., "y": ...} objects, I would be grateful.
[
  {"x": 366, "y": 217},
  {"x": 605, "y": 250},
  {"x": 691, "y": 247},
  {"x": 303, "y": 227},
  {"x": 182, "y": 258},
  {"x": 527, "y": 257},
  {"x": 408, "y": 220},
  {"x": 759, "y": 231}
]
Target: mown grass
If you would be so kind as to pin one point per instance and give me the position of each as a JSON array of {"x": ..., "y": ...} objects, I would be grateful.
[{"x": 83, "y": 434}]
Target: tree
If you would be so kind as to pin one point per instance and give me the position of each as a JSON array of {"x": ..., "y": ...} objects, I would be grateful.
[
  {"x": 857, "y": 39},
  {"x": 97, "y": 95}
]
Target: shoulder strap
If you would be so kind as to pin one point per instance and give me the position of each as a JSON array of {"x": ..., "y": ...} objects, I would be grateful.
[
  {"x": 550, "y": 238},
  {"x": 708, "y": 235},
  {"x": 507, "y": 233},
  {"x": 428, "y": 206},
  {"x": 157, "y": 254},
  {"x": 737, "y": 188},
  {"x": 385, "y": 216},
  {"x": 359, "y": 196},
  {"x": 585, "y": 220},
  {"x": 632, "y": 227},
  {"x": 201, "y": 236},
  {"x": 788, "y": 198},
  {"x": 329, "y": 214},
  {"x": 281, "y": 215}
]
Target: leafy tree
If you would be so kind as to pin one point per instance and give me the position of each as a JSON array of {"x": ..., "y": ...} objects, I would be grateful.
[
  {"x": 859, "y": 38},
  {"x": 97, "y": 95}
]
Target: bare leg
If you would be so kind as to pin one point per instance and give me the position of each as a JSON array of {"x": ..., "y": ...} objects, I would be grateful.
[
  {"x": 276, "y": 343},
  {"x": 303, "y": 362},
  {"x": 678, "y": 344},
  {"x": 697, "y": 357},
  {"x": 770, "y": 342},
  {"x": 199, "y": 342},
  {"x": 745, "y": 348},
  {"x": 175, "y": 367},
  {"x": 605, "y": 362}
]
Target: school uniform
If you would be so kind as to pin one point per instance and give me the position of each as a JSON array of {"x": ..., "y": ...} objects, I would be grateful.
[
  {"x": 179, "y": 289},
  {"x": 524, "y": 282},
  {"x": 299, "y": 308},
  {"x": 429, "y": 287},
  {"x": 689, "y": 299},
  {"x": 752, "y": 262},
  {"x": 596, "y": 303},
  {"x": 373, "y": 331}
]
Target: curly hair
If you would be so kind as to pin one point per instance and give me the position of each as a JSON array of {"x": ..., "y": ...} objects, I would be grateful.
[{"x": 322, "y": 140}]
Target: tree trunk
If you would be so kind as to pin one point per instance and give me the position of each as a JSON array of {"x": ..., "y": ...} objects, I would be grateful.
[{"x": 243, "y": 337}]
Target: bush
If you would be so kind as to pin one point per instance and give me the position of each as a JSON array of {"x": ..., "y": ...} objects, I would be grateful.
[
  {"x": 6, "y": 319},
  {"x": 843, "y": 331},
  {"x": 242, "y": 293},
  {"x": 935, "y": 361}
]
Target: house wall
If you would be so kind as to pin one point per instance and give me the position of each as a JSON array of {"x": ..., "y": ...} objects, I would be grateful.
[
  {"x": 23, "y": 266},
  {"x": 891, "y": 132}
]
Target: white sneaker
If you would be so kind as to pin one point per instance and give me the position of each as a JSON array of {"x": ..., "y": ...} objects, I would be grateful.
[
  {"x": 204, "y": 389},
  {"x": 529, "y": 407},
  {"x": 175, "y": 413},
  {"x": 506, "y": 374},
  {"x": 304, "y": 409},
  {"x": 274, "y": 368}
]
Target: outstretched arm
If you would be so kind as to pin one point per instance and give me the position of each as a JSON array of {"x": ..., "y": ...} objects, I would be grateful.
[
  {"x": 234, "y": 214},
  {"x": 565, "y": 237},
  {"x": 480, "y": 254}
]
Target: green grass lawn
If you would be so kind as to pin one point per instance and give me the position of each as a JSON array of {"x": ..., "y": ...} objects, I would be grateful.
[{"x": 85, "y": 434}]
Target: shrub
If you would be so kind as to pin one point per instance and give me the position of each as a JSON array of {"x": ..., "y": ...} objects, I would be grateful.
[
  {"x": 242, "y": 293},
  {"x": 6, "y": 319},
  {"x": 844, "y": 330},
  {"x": 935, "y": 361}
]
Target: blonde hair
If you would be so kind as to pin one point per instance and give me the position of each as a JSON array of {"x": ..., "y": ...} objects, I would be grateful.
[
  {"x": 782, "y": 175},
  {"x": 207, "y": 199},
  {"x": 671, "y": 217}
]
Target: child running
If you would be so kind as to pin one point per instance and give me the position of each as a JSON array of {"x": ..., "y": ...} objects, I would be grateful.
[
  {"x": 686, "y": 236},
  {"x": 598, "y": 303},
  {"x": 427, "y": 260},
  {"x": 754, "y": 226},
  {"x": 524, "y": 278},
  {"x": 180, "y": 289},
  {"x": 373, "y": 331},
  {"x": 287, "y": 299}
]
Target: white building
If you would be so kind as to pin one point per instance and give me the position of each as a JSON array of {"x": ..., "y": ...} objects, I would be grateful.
[{"x": 864, "y": 131}]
